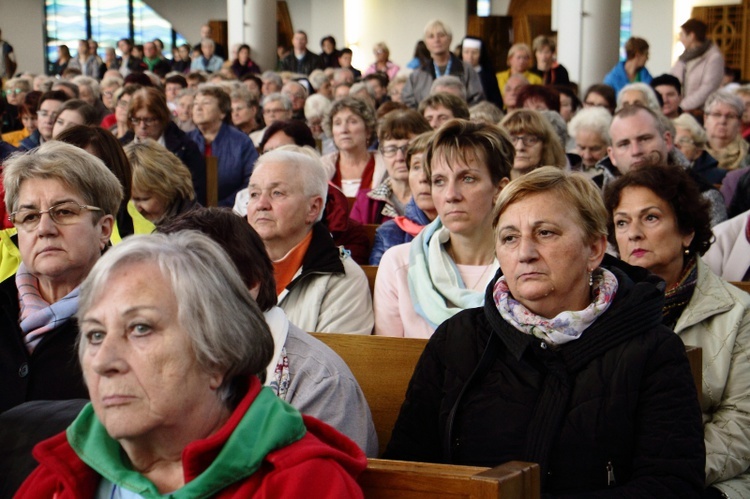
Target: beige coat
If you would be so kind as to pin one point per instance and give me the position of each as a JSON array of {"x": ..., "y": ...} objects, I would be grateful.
[{"x": 717, "y": 319}]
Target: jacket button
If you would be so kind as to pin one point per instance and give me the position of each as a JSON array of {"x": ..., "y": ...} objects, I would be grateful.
[
  {"x": 23, "y": 371},
  {"x": 543, "y": 345}
]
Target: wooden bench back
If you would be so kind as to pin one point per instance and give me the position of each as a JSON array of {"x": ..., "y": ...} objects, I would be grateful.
[
  {"x": 371, "y": 271},
  {"x": 695, "y": 358},
  {"x": 212, "y": 181},
  {"x": 383, "y": 367},
  {"x": 404, "y": 480},
  {"x": 370, "y": 231},
  {"x": 743, "y": 285}
]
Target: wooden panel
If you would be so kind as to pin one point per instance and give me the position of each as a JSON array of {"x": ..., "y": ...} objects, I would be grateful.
[
  {"x": 695, "y": 358},
  {"x": 727, "y": 27},
  {"x": 220, "y": 35},
  {"x": 530, "y": 18},
  {"x": 284, "y": 27},
  {"x": 212, "y": 181},
  {"x": 370, "y": 231},
  {"x": 405, "y": 480},
  {"x": 496, "y": 31},
  {"x": 743, "y": 285},
  {"x": 371, "y": 271},
  {"x": 383, "y": 367}
]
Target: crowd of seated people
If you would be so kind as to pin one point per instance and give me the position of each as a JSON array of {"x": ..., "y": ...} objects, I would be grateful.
[{"x": 559, "y": 249}]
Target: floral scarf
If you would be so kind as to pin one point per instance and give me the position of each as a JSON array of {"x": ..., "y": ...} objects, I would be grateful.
[{"x": 566, "y": 326}]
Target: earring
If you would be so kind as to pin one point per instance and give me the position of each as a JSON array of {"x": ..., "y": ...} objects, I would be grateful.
[
  {"x": 687, "y": 251},
  {"x": 591, "y": 279}
]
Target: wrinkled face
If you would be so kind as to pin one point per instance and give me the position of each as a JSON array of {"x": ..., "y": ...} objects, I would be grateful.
[
  {"x": 671, "y": 98},
  {"x": 590, "y": 146},
  {"x": 47, "y": 114},
  {"x": 15, "y": 96},
  {"x": 394, "y": 153},
  {"x": 436, "y": 116},
  {"x": 544, "y": 57},
  {"x": 647, "y": 233},
  {"x": 270, "y": 87},
  {"x": 206, "y": 110},
  {"x": 279, "y": 210},
  {"x": 636, "y": 142},
  {"x": 512, "y": 88},
  {"x": 519, "y": 62},
  {"x": 185, "y": 108},
  {"x": 349, "y": 131},
  {"x": 528, "y": 152},
  {"x": 242, "y": 114},
  {"x": 65, "y": 120},
  {"x": 438, "y": 42},
  {"x": 463, "y": 195},
  {"x": 121, "y": 110},
  {"x": 108, "y": 96},
  {"x": 722, "y": 123},
  {"x": 420, "y": 187},
  {"x": 683, "y": 141},
  {"x": 274, "y": 111},
  {"x": 470, "y": 56},
  {"x": 544, "y": 254},
  {"x": 299, "y": 42},
  {"x": 143, "y": 378},
  {"x": 146, "y": 125},
  {"x": 55, "y": 253},
  {"x": 151, "y": 206},
  {"x": 171, "y": 90}
]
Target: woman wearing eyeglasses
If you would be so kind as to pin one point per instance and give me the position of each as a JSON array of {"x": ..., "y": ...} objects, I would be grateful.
[
  {"x": 150, "y": 118},
  {"x": 534, "y": 140},
  {"x": 63, "y": 202},
  {"x": 389, "y": 199}
]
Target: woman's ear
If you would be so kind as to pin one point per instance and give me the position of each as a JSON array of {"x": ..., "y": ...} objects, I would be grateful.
[
  {"x": 688, "y": 239},
  {"x": 503, "y": 183},
  {"x": 598, "y": 248}
]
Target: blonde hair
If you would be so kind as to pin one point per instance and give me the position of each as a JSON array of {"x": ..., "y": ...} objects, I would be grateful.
[
  {"x": 532, "y": 122},
  {"x": 158, "y": 171}
]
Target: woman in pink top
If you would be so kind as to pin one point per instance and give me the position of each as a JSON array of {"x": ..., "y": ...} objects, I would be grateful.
[{"x": 447, "y": 266}]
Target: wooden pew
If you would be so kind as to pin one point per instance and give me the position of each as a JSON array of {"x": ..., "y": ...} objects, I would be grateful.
[
  {"x": 371, "y": 271},
  {"x": 383, "y": 367},
  {"x": 370, "y": 231},
  {"x": 212, "y": 181},
  {"x": 743, "y": 285},
  {"x": 695, "y": 358},
  {"x": 405, "y": 480}
]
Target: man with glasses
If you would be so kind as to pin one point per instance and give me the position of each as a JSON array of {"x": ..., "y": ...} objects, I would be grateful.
[
  {"x": 244, "y": 111},
  {"x": 276, "y": 107},
  {"x": 49, "y": 104}
]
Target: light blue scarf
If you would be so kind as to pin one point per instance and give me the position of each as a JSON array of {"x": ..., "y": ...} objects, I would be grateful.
[{"x": 435, "y": 285}]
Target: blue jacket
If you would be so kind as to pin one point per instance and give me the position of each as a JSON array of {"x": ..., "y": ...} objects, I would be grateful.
[
  {"x": 236, "y": 154},
  {"x": 390, "y": 234},
  {"x": 618, "y": 78},
  {"x": 30, "y": 142}
]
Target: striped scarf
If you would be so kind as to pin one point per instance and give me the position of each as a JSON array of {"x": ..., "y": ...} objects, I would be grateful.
[{"x": 38, "y": 317}]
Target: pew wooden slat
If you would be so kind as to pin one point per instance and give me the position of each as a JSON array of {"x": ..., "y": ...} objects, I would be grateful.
[
  {"x": 371, "y": 271},
  {"x": 405, "y": 480},
  {"x": 743, "y": 285},
  {"x": 383, "y": 368},
  {"x": 212, "y": 181},
  {"x": 370, "y": 230}
]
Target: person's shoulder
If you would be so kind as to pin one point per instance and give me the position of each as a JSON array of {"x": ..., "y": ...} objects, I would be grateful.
[
  {"x": 304, "y": 349},
  {"x": 396, "y": 257}
]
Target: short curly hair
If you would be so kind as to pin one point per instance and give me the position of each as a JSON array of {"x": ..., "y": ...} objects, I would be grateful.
[
  {"x": 675, "y": 186},
  {"x": 356, "y": 106}
]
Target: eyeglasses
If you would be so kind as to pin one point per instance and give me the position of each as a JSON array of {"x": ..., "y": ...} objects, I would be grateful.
[
  {"x": 274, "y": 111},
  {"x": 718, "y": 116},
  {"x": 685, "y": 141},
  {"x": 528, "y": 140},
  {"x": 67, "y": 213},
  {"x": 392, "y": 150},
  {"x": 123, "y": 103},
  {"x": 145, "y": 121},
  {"x": 44, "y": 114},
  {"x": 12, "y": 91}
]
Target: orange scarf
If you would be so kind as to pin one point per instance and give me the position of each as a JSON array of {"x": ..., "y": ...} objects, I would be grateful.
[{"x": 285, "y": 268}]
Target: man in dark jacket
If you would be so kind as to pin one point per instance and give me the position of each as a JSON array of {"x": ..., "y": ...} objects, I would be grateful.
[{"x": 301, "y": 60}]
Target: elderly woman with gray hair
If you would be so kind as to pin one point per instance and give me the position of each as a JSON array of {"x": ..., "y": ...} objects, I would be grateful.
[
  {"x": 589, "y": 130},
  {"x": 63, "y": 202},
  {"x": 691, "y": 139},
  {"x": 173, "y": 349}
]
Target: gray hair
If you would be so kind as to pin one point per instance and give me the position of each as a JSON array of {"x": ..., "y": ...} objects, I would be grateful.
[
  {"x": 208, "y": 42},
  {"x": 648, "y": 93},
  {"x": 272, "y": 76},
  {"x": 437, "y": 25},
  {"x": 359, "y": 87},
  {"x": 19, "y": 82},
  {"x": 689, "y": 123},
  {"x": 316, "y": 106},
  {"x": 82, "y": 172},
  {"x": 317, "y": 78},
  {"x": 487, "y": 112},
  {"x": 592, "y": 119},
  {"x": 558, "y": 125},
  {"x": 356, "y": 106},
  {"x": 226, "y": 328},
  {"x": 244, "y": 95},
  {"x": 91, "y": 83},
  {"x": 45, "y": 83},
  {"x": 278, "y": 97},
  {"x": 724, "y": 97},
  {"x": 310, "y": 170},
  {"x": 449, "y": 81}
]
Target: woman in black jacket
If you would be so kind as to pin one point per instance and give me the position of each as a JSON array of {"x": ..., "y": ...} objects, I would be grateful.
[{"x": 566, "y": 364}]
